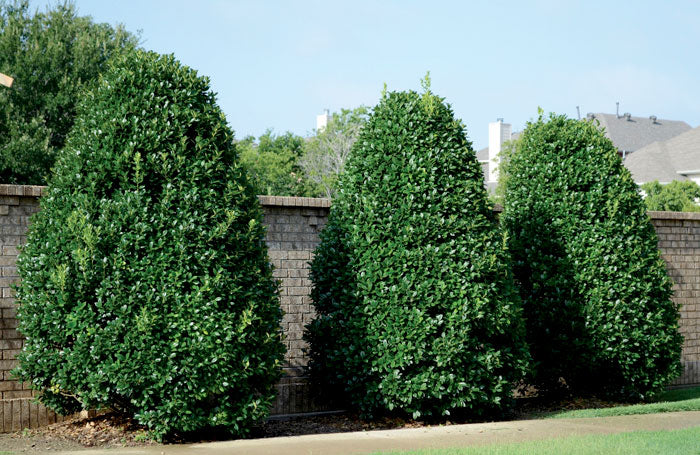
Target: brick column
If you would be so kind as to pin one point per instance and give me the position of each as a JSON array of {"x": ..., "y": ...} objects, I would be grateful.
[{"x": 293, "y": 227}]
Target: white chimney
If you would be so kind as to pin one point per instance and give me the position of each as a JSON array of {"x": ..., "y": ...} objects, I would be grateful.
[
  {"x": 499, "y": 133},
  {"x": 322, "y": 120}
]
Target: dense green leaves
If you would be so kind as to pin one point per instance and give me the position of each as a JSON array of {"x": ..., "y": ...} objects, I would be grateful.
[
  {"x": 596, "y": 295},
  {"x": 676, "y": 196},
  {"x": 273, "y": 164},
  {"x": 146, "y": 286},
  {"x": 417, "y": 310},
  {"x": 53, "y": 57}
]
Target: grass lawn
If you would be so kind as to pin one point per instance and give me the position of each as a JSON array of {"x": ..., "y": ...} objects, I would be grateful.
[
  {"x": 638, "y": 443},
  {"x": 669, "y": 401}
]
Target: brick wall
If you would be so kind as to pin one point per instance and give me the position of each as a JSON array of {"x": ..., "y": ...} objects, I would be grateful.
[
  {"x": 679, "y": 241},
  {"x": 17, "y": 409},
  {"x": 15, "y": 209},
  {"x": 293, "y": 233},
  {"x": 293, "y": 227}
]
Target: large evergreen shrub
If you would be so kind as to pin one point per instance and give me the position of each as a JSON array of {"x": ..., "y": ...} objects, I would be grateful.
[
  {"x": 146, "y": 286},
  {"x": 417, "y": 309},
  {"x": 595, "y": 291}
]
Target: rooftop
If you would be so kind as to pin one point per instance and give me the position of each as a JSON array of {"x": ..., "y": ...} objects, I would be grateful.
[
  {"x": 673, "y": 159},
  {"x": 630, "y": 133}
]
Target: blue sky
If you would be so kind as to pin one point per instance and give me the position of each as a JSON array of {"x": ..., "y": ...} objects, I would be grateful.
[{"x": 277, "y": 64}]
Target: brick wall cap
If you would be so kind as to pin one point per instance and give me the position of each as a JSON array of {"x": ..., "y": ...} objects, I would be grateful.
[
  {"x": 674, "y": 215},
  {"x": 292, "y": 201},
  {"x": 311, "y": 202},
  {"x": 22, "y": 190},
  {"x": 280, "y": 201}
]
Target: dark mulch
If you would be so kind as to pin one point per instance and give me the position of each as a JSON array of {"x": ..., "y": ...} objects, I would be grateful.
[
  {"x": 527, "y": 408},
  {"x": 329, "y": 423}
]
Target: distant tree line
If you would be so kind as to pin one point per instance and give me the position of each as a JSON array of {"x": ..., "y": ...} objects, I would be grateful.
[
  {"x": 53, "y": 56},
  {"x": 290, "y": 165},
  {"x": 676, "y": 196}
]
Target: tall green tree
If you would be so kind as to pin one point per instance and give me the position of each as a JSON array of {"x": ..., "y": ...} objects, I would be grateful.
[
  {"x": 418, "y": 314},
  {"x": 325, "y": 153},
  {"x": 53, "y": 56},
  {"x": 596, "y": 294},
  {"x": 676, "y": 196},
  {"x": 273, "y": 162}
]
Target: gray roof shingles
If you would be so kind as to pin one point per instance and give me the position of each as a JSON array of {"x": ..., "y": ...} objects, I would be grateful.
[
  {"x": 663, "y": 160},
  {"x": 633, "y": 133}
]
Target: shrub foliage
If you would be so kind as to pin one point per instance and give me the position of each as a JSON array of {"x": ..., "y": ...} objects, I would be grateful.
[
  {"x": 417, "y": 310},
  {"x": 146, "y": 286},
  {"x": 595, "y": 291}
]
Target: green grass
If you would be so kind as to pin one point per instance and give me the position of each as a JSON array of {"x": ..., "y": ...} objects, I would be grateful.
[
  {"x": 669, "y": 401},
  {"x": 637, "y": 443},
  {"x": 680, "y": 394}
]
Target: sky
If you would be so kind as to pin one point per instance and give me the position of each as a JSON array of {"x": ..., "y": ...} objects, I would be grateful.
[{"x": 278, "y": 64}]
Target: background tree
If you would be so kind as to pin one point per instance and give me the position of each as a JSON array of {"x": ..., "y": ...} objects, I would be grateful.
[
  {"x": 146, "y": 286},
  {"x": 676, "y": 196},
  {"x": 273, "y": 163},
  {"x": 596, "y": 294},
  {"x": 417, "y": 310},
  {"x": 53, "y": 56},
  {"x": 325, "y": 153}
]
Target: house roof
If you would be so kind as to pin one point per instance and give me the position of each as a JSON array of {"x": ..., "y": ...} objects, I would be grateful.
[
  {"x": 663, "y": 160},
  {"x": 627, "y": 133},
  {"x": 633, "y": 133}
]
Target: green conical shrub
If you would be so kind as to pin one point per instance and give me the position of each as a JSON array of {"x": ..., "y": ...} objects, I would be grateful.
[
  {"x": 596, "y": 295},
  {"x": 146, "y": 286},
  {"x": 417, "y": 310}
]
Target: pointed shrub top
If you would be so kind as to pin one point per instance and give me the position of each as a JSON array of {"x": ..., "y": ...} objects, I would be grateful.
[
  {"x": 417, "y": 310},
  {"x": 146, "y": 286},
  {"x": 596, "y": 295}
]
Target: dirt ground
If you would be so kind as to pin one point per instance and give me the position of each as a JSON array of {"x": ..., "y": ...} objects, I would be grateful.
[
  {"x": 111, "y": 431},
  {"x": 102, "y": 431}
]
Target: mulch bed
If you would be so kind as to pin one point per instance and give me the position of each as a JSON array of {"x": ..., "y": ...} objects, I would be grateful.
[
  {"x": 530, "y": 407},
  {"x": 111, "y": 430},
  {"x": 106, "y": 430},
  {"x": 329, "y": 423}
]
